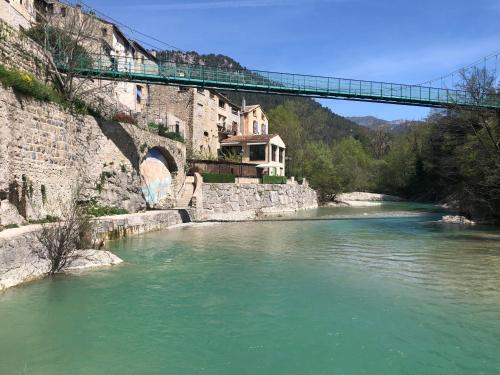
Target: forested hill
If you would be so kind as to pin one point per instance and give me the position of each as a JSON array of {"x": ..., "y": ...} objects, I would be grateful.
[{"x": 319, "y": 123}]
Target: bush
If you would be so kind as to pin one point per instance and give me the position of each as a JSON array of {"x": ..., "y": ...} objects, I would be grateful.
[
  {"x": 274, "y": 180},
  {"x": 25, "y": 84},
  {"x": 95, "y": 210},
  {"x": 219, "y": 178},
  {"x": 48, "y": 219},
  {"x": 125, "y": 118}
]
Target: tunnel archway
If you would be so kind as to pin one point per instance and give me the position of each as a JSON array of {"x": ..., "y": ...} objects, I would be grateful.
[{"x": 157, "y": 171}]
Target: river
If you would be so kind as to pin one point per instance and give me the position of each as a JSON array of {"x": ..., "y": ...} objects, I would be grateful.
[{"x": 381, "y": 290}]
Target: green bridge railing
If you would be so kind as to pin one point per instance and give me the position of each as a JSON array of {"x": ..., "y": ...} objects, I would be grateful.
[{"x": 170, "y": 73}]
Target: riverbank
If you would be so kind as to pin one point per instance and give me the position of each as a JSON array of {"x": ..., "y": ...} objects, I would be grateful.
[
  {"x": 19, "y": 262},
  {"x": 362, "y": 199}
]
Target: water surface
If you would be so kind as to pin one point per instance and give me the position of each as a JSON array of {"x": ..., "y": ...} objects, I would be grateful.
[{"x": 382, "y": 291}]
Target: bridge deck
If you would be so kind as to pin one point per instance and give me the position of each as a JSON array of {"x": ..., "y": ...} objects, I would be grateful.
[{"x": 169, "y": 73}]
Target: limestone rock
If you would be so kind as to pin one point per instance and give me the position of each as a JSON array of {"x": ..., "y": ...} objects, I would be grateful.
[
  {"x": 87, "y": 259},
  {"x": 450, "y": 219},
  {"x": 9, "y": 214}
]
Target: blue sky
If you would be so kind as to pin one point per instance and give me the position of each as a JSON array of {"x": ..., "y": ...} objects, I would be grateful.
[{"x": 404, "y": 41}]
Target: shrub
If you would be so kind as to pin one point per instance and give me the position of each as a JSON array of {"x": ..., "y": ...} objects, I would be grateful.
[
  {"x": 48, "y": 219},
  {"x": 11, "y": 226},
  {"x": 219, "y": 178},
  {"x": 93, "y": 209},
  {"x": 25, "y": 84},
  {"x": 274, "y": 180},
  {"x": 125, "y": 118}
]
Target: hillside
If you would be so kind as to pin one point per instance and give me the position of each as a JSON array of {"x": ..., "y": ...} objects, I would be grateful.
[
  {"x": 320, "y": 124},
  {"x": 395, "y": 126}
]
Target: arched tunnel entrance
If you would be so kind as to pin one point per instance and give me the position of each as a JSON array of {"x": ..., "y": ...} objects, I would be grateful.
[{"x": 157, "y": 177}]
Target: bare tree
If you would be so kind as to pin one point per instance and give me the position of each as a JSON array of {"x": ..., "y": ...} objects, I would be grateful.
[
  {"x": 73, "y": 40},
  {"x": 61, "y": 240}
]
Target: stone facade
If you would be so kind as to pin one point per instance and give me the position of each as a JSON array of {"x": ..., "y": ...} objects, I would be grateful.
[
  {"x": 17, "y": 13},
  {"x": 206, "y": 116},
  {"x": 247, "y": 201},
  {"x": 46, "y": 152},
  {"x": 20, "y": 52}
]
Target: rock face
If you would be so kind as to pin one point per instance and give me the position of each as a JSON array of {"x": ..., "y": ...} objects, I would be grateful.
[
  {"x": 19, "y": 262},
  {"x": 361, "y": 199},
  {"x": 87, "y": 259},
  {"x": 450, "y": 219},
  {"x": 9, "y": 214},
  {"x": 247, "y": 201}
]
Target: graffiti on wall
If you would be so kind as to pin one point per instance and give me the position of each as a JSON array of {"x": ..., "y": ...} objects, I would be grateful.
[{"x": 156, "y": 178}]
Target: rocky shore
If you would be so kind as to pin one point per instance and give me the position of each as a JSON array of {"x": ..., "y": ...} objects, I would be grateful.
[{"x": 362, "y": 199}]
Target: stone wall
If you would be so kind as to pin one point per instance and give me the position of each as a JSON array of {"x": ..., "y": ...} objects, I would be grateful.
[
  {"x": 247, "y": 201},
  {"x": 46, "y": 152},
  {"x": 20, "y": 52}
]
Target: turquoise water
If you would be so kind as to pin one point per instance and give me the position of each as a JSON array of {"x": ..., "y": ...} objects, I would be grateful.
[{"x": 382, "y": 291}]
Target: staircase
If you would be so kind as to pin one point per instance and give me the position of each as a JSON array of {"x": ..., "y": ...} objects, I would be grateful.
[{"x": 184, "y": 200}]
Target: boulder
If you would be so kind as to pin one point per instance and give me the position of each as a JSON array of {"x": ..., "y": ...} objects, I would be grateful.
[
  {"x": 9, "y": 214},
  {"x": 450, "y": 219}
]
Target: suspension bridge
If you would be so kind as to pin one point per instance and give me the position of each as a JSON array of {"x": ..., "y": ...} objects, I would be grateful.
[{"x": 121, "y": 68}]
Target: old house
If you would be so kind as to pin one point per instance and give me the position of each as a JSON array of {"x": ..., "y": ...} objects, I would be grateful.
[
  {"x": 206, "y": 117},
  {"x": 112, "y": 48},
  {"x": 266, "y": 151},
  {"x": 255, "y": 145},
  {"x": 19, "y": 14}
]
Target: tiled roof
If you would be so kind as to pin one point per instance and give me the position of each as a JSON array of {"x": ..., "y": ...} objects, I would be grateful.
[
  {"x": 249, "y": 138},
  {"x": 250, "y": 108}
]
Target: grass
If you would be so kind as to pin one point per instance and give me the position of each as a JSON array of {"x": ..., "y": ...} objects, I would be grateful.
[
  {"x": 10, "y": 226},
  {"x": 47, "y": 220},
  {"x": 95, "y": 210},
  {"x": 26, "y": 85},
  {"x": 161, "y": 130}
]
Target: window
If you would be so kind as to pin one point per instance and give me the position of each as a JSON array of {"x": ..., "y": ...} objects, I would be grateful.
[
  {"x": 139, "y": 94},
  {"x": 255, "y": 127},
  {"x": 63, "y": 11},
  {"x": 282, "y": 154},
  {"x": 104, "y": 31},
  {"x": 263, "y": 117},
  {"x": 258, "y": 153},
  {"x": 264, "y": 129},
  {"x": 234, "y": 111},
  {"x": 177, "y": 127},
  {"x": 254, "y": 113},
  {"x": 274, "y": 152},
  {"x": 235, "y": 127},
  {"x": 222, "y": 104}
]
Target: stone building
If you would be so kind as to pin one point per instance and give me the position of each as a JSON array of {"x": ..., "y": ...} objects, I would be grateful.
[
  {"x": 267, "y": 151},
  {"x": 204, "y": 117},
  {"x": 19, "y": 14},
  {"x": 114, "y": 48},
  {"x": 255, "y": 145},
  {"x": 254, "y": 120}
]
